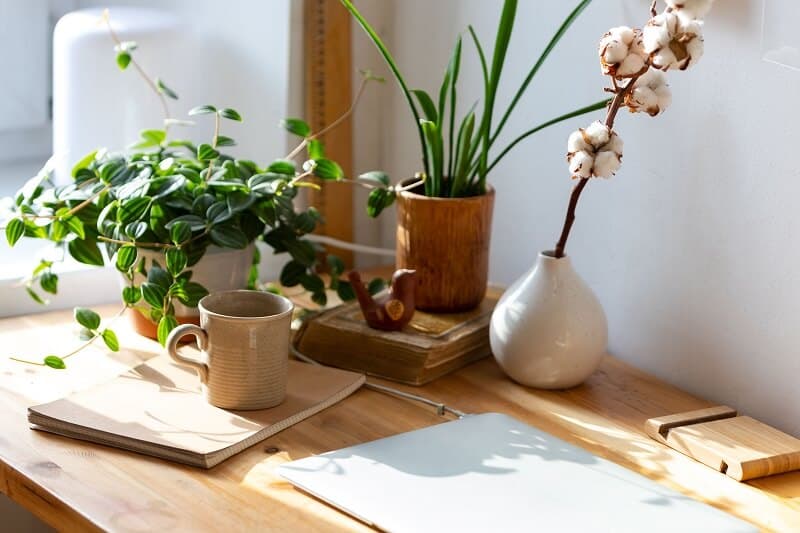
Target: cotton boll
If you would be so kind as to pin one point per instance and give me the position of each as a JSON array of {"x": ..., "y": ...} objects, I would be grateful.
[
  {"x": 673, "y": 41},
  {"x": 695, "y": 9},
  {"x": 580, "y": 164},
  {"x": 606, "y": 164},
  {"x": 650, "y": 94},
  {"x": 621, "y": 52},
  {"x": 594, "y": 151},
  {"x": 597, "y": 134},
  {"x": 576, "y": 142}
]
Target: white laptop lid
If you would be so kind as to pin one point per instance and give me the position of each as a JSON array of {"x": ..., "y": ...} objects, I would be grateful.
[{"x": 491, "y": 472}]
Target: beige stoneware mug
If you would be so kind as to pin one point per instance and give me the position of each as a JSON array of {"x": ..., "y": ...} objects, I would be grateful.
[{"x": 244, "y": 339}]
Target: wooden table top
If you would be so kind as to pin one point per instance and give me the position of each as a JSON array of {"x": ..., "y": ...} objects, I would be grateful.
[{"x": 74, "y": 485}]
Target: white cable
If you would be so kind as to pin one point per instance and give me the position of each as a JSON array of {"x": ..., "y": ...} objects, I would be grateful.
[
  {"x": 441, "y": 409},
  {"x": 372, "y": 250}
]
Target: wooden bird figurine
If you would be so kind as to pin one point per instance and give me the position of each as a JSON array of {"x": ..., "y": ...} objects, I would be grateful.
[{"x": 390, "y": 310}]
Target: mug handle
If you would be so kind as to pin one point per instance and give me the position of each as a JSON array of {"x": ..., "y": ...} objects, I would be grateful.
[{"x": 202, "y": 340}]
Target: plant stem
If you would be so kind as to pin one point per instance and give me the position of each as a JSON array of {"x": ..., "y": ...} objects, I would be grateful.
[
  {"x": 333, "y": 124},
  {"x": 613, "y": 109},
  {"x": 74, "y": 209},
  {"x": 79, "y": 348},
  {"x": 141, "y": 72}
]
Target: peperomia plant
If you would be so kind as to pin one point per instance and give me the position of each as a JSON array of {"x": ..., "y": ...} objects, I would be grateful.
[{"x": 179, "y": 198}]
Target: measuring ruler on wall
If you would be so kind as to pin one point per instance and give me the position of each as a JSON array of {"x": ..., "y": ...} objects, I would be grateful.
[{"x": 328, "y": 94}]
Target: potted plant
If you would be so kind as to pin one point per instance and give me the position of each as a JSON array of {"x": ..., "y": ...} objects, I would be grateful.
[
  {"x": 444, "y": 226},
  {"x": 178, "y": 219},
  {"x": 549, "y": 329}
]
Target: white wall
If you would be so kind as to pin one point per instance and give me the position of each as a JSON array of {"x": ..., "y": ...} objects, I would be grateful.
[{"x": 692, "y": 247}]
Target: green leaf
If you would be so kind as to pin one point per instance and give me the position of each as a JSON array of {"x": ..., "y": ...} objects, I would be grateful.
[
  {"x": 154, "y": 294},
  {"x": 378, "y": 200},
  {"x": 312, "y": 283},
  {"x": 110, "y": 338},
  {"x": 49, "y": 282},
  {"x": 315, "y": 149},
  {"x": 302, "y": 252},
  {"x": 222, "y": 140},
  {"x": 43, "y": 265},
  {"x": 336, "y": 266},
  {"x": 176, "y": 261},
  {"x": 131, "y": 295},
  {"x": 297, "y": 126},
  {"x": 281, "y": 166},
  {"x": 202, "y": 110},
  {"x": 292, "y": 273},
  {"x": 320, "y": 298},
  {"x": 34, "y": 296},
  {"x": 165, "y": 325},
  {"x": 228, "y": 237},
  {"x": 180, "y": 232},
  {"x": 376, "y": 177},
  {"x": 206, "y": 152},
  {"x": 123, "y": 60},
  {"x": 192, "y": 293},
  {"x": 328, "y": 170},
  {"x": 218, "y": 213},
  {"x": 53, "y": 361},
  {"x": 239, "y": 201},
  {"x": 155, "y": 137},
  {"x": 195, "y": 222},
  {"x": 135, "y": 230},
  {"x": 435, "y": 147},
  {"x": 75, "y": 225},
  {"x": 231, "y": 114},
  {"x": 58, "y": 230},
  {"x": 159, "y": 276},
  {"x": 126, "y": 257},
  {"x": 163, "y": 89},
  {"x": 345, "y": 291},
  {"x": 428, "y": 107},
  {"x": 83, "y": 163},
  {"x": 87, "y": 318},
  {"x": 86, "y": 251},
  {"x": 14, "y": 230},
  {"x": 376, "y": 285},
  {"x": 133, "y": 209}
]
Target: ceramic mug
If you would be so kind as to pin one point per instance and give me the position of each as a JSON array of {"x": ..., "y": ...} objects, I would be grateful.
[{"x": 244, "y": 337}]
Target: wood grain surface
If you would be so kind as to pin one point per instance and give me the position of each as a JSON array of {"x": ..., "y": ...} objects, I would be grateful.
[{"x": 74, "y": 485}]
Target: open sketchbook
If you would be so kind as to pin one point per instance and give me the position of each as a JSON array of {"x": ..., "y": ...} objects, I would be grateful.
[{"x": 157, "y": 409}]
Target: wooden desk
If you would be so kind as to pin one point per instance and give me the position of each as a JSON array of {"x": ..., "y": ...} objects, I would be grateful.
[{"x": 77, "y": 486}]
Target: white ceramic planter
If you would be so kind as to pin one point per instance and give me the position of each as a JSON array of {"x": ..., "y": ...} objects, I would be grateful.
[
  {"x": 549, "y": 330},
  {"x": 220, "y": 269}
]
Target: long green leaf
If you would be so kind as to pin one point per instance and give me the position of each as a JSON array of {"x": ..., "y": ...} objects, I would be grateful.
[
  {"x": 433, "y": 137},
  {"x": 387, "y": 57},
  {"x": 588, "y": 109},
  {"x": 454, "y": 68},
  {"x": 549, "y": 48},
  {"x": 473, "y": 146},
  {"x": 428, "y": 107},
  {"x": 504, "y": 30},
  {"x": 464, "y": 136}
]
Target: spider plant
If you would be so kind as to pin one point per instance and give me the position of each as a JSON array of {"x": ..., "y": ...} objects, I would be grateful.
[{"x": 457, "y": 160}]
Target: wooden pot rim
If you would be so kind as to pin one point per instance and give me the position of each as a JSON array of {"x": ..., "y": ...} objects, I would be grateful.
[{"x": 422, "y": 198}]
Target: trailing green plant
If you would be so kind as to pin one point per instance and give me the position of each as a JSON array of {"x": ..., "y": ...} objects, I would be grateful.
[
  {"x": 178, "y": 198},
  {"x": 457, "y": 160}
]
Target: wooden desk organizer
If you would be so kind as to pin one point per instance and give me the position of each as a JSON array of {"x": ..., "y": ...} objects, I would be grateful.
[{"x": 739, "y": 446}]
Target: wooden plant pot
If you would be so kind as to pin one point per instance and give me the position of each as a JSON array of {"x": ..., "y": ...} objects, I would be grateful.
[
  {"x": 219, "y": 269},
  {"x": 446, "y": 240}
]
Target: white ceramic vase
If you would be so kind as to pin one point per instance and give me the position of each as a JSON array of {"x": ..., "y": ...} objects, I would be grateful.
[{"x": 549, "y": 330}]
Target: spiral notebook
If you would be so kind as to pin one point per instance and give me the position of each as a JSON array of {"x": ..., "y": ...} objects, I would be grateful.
[{"x": 157, "y": 409}]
